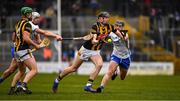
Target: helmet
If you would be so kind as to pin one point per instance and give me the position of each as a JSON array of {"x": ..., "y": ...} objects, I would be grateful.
[
  {"x": 35, "y": 15},
  {"x": 104, "y": 14},
  {"x": 119, "y": 23},
  {"x": 25, "y": 10}
]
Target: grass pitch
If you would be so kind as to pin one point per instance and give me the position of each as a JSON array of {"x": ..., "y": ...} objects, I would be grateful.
[{"x": 71, "y": 88}]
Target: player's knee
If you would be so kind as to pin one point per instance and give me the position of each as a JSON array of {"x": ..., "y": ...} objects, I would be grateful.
[
  {"x": 109, "y": 73},
  {"x": 35, "y": 71},
  {"x": 99, "y": 65}
]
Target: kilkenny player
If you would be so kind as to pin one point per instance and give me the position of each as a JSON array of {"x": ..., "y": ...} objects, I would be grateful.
[
  {"x": 36, "y": 31},
  {"x": 90, "y": 50}
]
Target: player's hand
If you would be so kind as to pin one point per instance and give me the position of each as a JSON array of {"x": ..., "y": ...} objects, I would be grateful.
[
  {"x": 102, "y": 36},
  {"x": 39, "y": 41},
  {"x": 126, "y": 37},
  {"x": 124, "y": 34},
  {"x": 37, "y": 46},
  {"x": 95, "y": 41},
  {"x": 58, "y": 38}
]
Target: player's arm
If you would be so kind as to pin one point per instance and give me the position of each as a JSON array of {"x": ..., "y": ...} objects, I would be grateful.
[
  {"x": 49, "y": 34},
  {"x": 127, "y": 40},
  {"x": 28, "y": 40},
  {"x": 93, "y": 31},
  {"x": 26, "y": 36},
  {"x": 38, "y": 38},
  {"x": 118, "y": 33},
  {"x": 94, "y": 39}
]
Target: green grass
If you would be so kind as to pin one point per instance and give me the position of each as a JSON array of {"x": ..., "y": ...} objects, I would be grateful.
[{"x": 71, "y": 88}]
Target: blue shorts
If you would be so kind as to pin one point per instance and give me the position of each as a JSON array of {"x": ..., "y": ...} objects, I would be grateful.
[
  {"x": 123, "y": 63},
  {"x": 12, "y": 52}
]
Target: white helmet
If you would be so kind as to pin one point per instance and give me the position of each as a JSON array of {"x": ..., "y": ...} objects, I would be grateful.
[{"x": 35, "y": 15}]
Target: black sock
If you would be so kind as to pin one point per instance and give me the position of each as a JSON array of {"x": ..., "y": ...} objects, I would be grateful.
[
  {"x": 59, "y": 78},
  {"x": 1, "y": 79},
  {"x": 89, "y": 82},
  {"x": 12, "y": 87}
]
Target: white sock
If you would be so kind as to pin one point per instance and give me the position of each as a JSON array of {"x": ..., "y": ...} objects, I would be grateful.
[
  {"x": 88, "y": 84},
  {"x": 56, "y": 80}
]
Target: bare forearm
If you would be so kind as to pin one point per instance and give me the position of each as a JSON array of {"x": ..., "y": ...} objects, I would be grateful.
[
  {"x": 46, "y": 33},
  {"x": 94, "y": 40},
  {"x": 38, "y": 38},
  {"x": 28, "y": 40},
  {"x": 119, "y": 34}
]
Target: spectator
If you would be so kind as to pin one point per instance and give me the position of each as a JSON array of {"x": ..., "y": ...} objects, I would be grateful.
[
  {"x": 50, "y": 12},
  {"x": 47, "y": 54},
  {"x": 94, "y": 5}
]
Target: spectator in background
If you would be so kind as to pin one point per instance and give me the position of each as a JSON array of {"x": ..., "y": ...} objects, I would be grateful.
[
  {"x": 3, "y": 17},
  {"x": 71, "y": 53},
  {"x": 152, "y": 18},
  {"x": 30, "y": 2},
  {"x": 94, "y": 5},
  {"x": 75, "y": 12},
  {"x": 47, "y": 53},
  {"x": 49, "y": 13},
  {"x": 177, "y": 19},
  {"x": 159, "y": 18},
  {"x": 171, "y": 20}
]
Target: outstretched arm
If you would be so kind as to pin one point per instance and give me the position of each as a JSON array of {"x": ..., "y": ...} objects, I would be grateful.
[{"x": 49, "y": 34}]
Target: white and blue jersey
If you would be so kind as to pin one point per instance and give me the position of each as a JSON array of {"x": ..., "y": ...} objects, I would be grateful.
[
  {"x": 121, "y": 54},
  {"x": 34, "y": 27}
]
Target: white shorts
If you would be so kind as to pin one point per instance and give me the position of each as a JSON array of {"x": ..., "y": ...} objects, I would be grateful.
[
  {"x": 85, "y": 54},
  {"x": 20, "y": 53}
]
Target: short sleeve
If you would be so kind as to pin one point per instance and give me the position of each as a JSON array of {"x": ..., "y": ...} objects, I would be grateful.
[
  {"x": 113, "y": 29},
  {"x": 27, "y": 27},
  {"x": 34, "y": 27},
  {"x": 94, "y": 29}
]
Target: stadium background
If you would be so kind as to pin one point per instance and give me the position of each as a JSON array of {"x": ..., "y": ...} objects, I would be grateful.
[{"x": 154, "y": 29}]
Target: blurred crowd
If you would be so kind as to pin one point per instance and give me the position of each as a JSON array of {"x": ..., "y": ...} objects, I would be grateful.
[{"x": 155, "y": 9}]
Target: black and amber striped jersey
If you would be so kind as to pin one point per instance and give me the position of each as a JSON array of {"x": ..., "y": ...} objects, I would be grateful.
[
  {"x": 21, "y": 26},
  {"x": 98, "y": 29}
]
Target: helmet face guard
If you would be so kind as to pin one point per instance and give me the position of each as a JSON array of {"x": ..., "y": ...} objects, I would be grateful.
[
  {"x": 104, "y": 15},
  {"x": 35, "y": 15},
  {"x": 119, "y": 23}
]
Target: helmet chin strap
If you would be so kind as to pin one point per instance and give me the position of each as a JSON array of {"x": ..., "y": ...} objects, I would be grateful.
[{"x": 29, "y": 17}]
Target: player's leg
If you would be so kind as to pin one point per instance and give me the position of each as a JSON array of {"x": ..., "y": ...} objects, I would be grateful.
[
  {"x": 112, "y": 67},
  {"x": 124, "y": 66},
  {"x": 11, "y": 69},
  {"x": 16, "y": 78},
  {"x": 98, "y": 62},
  {"x": 123, "y": 73},
  {"x": 32, "y": 66},
  {"x": 114, "y": 74},
  {"x": 76, "y": 64}
]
